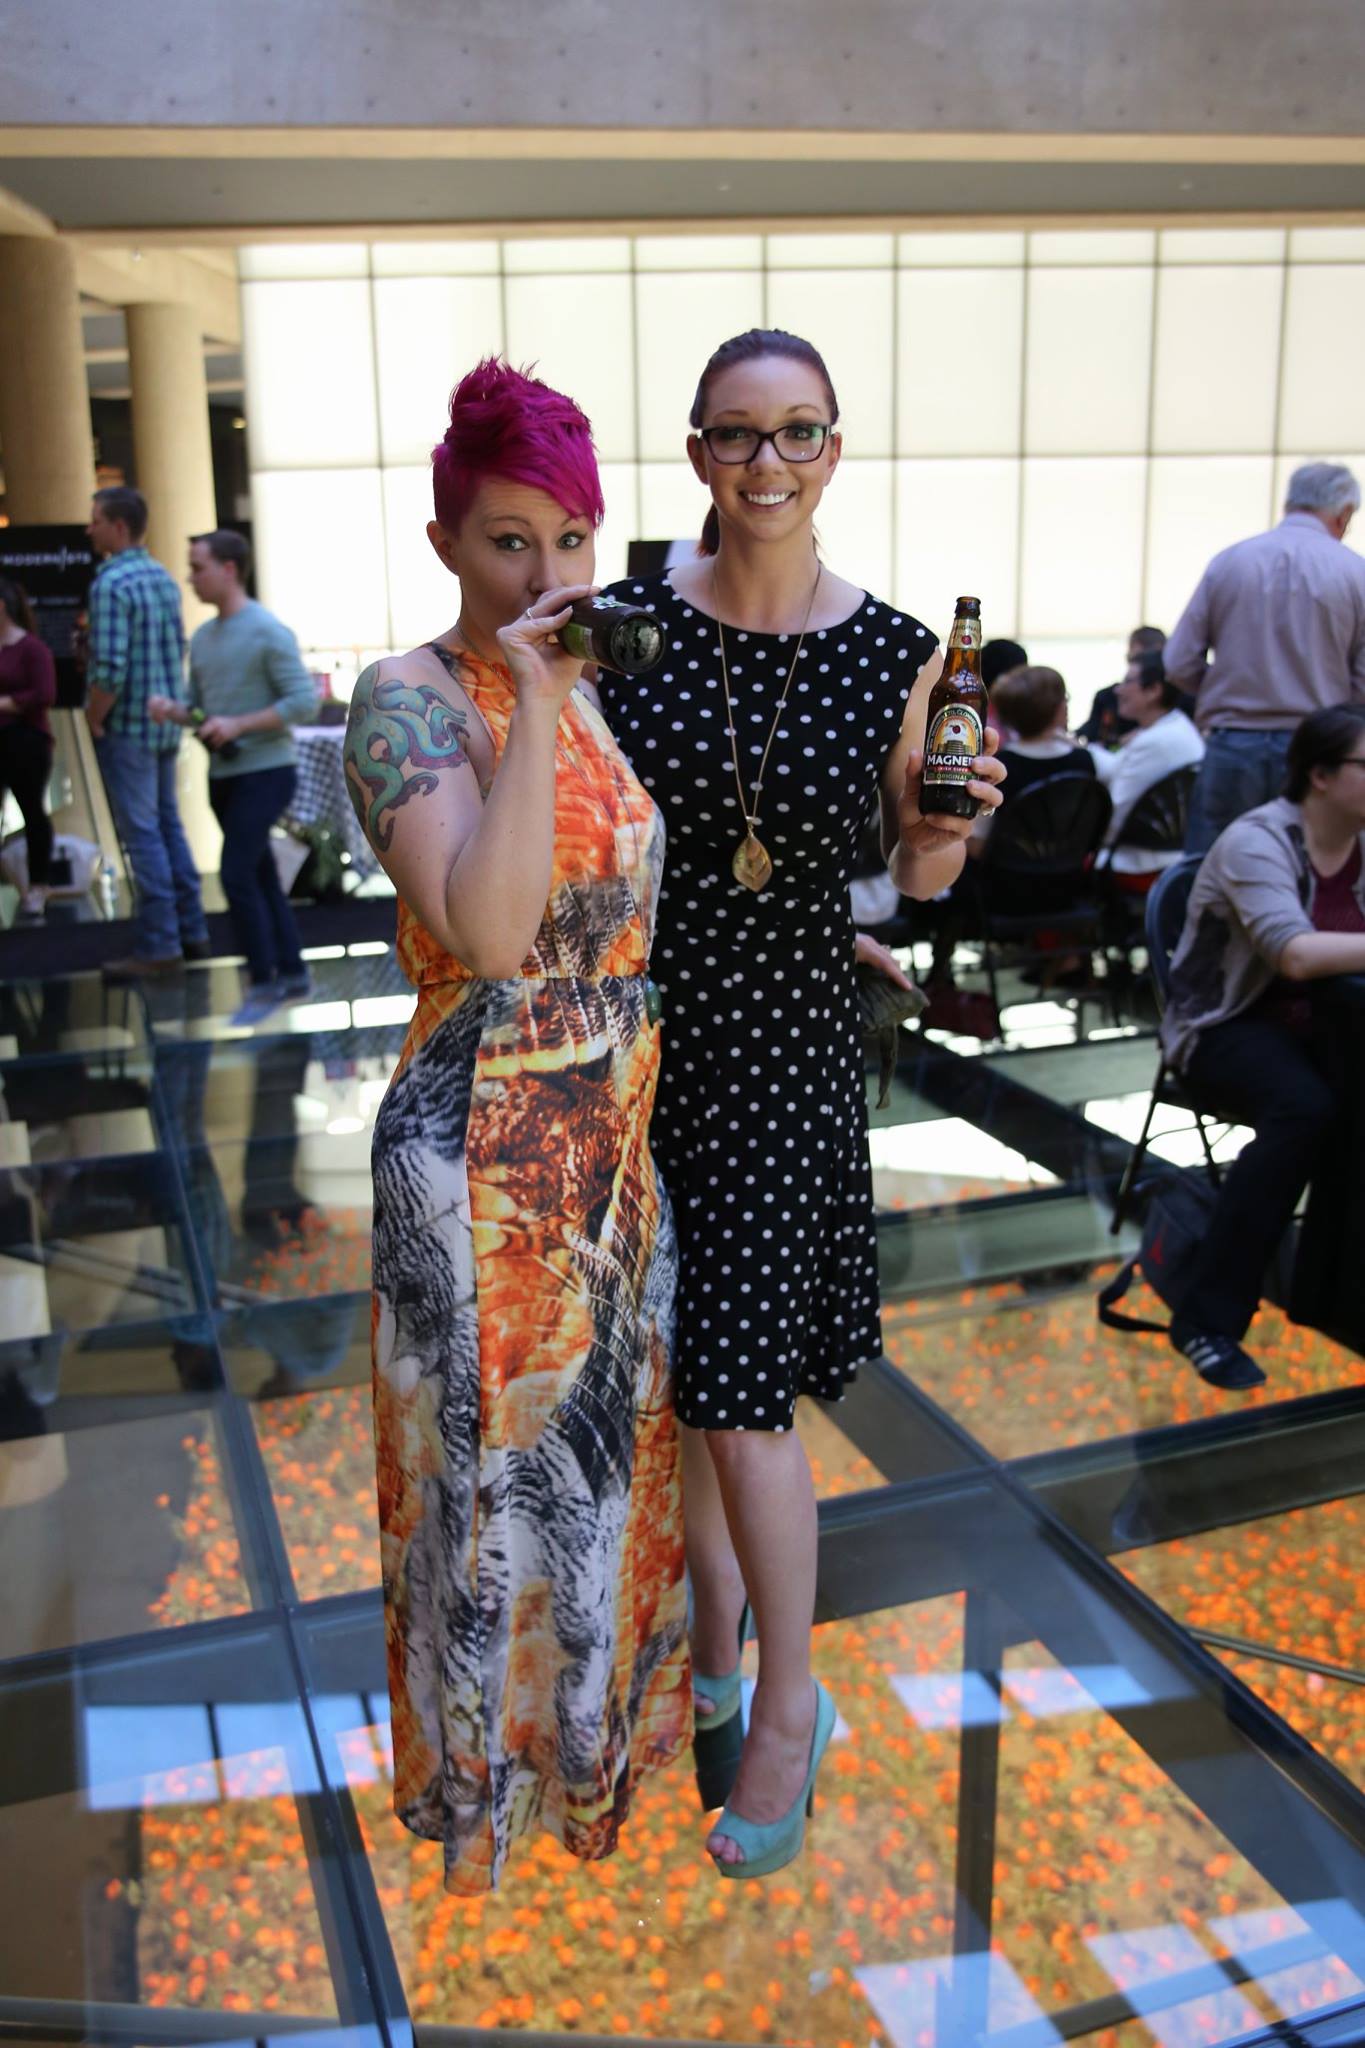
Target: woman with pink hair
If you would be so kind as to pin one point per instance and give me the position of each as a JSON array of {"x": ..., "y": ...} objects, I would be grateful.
[{"x": 529, "y": 1491}]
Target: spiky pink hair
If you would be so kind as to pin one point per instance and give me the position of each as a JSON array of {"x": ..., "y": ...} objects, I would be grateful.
[{"x": 504, "y": 423}]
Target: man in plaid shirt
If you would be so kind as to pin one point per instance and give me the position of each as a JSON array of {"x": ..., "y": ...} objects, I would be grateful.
[{"x": 137, "y": 651}]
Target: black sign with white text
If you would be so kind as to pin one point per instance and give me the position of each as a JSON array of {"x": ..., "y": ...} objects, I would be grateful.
[{"x": 55, "y": 565}]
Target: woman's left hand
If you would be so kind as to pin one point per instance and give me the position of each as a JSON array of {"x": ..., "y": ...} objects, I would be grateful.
[
  {"x": 868, "y": 953},
  {"x": 933, "y": 834}
]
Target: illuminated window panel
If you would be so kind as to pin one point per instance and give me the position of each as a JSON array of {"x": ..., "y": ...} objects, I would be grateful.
[
  {"x": 424, "y": 597},
  {"x": 309, "y": 352},
  {"x": 1286, "y": 465},
  {"x": 1217, "y": 359},
  {"x": 959, "y": 361},
  {"x": 1089, "y": 352},
  {"x": 1323, "y": 406},
  {"x": 848, "y": 317},
  {"x": 1087, "y": 665},
  {"x": 303, "y": 259},
  {"x": 681, "y": 319},
  {"x": 332, "y": 592},
  {"x": 1105, "y": 245},
  {"x": 576, "y": 330},
  {"x": 428, "y": 332},
  {"x": 435, "y": 259},
  {"x": 831, "y": 252},
  {"x": 951, "y": 250},
  {"x": 957, "y": 529},
  {"x": 854, "y": 525},
  {"x": 699, "y": 252},
  {"x": 1327, "y": 245},
  {"x": 673, "y": 504},
  {"x": 620, "y": 490},
  {"x": 1082, "y": 545},
  {"x": 535, "y": 256},
  {"x": 1221, "y": 245},
  {"x": 1198, "y": 506}
]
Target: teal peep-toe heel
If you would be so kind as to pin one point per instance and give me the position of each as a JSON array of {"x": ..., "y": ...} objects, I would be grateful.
[
  {"x": 767, "y": 1846},
  {"x": 718, "y": 1737}
]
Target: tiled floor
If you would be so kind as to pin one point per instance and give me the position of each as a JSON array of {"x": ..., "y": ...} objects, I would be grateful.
[{"x": 1093, "y": 1629}]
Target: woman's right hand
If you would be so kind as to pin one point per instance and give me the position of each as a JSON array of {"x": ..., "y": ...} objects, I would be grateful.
[{"x": 541, "y": 669}]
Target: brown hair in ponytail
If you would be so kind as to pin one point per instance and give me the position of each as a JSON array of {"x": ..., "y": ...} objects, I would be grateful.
[
  {"x": 752, "y": 347},
  {"x": 14, "y": 598}
]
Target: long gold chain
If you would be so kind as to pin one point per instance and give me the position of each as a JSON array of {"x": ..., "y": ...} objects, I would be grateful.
[{"x": 752, "y": 863}]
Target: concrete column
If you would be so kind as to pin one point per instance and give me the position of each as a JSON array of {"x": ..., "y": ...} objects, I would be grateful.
[
  {"x": 45, "y": 434},
  {"x": 173, "y": 456},
  {"x": 171, "y": 446},
  {"x": 49, "y": 458}
]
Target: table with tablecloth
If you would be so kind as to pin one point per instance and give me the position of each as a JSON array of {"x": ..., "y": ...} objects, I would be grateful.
[{"x": 321, "y": 796}]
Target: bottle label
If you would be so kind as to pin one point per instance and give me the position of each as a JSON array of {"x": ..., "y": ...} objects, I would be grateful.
[
  {"x": 965, "y": 633},
  {"x": 576, "y": 639},
  {"x": 955, "y": 739}
]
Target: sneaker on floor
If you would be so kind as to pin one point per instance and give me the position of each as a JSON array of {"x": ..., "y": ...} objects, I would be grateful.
[
  {"x": 1219, "y": 1360},
  {"x": 259, "y": 1004},
  {"x": 294, "y": 988},
  {"x": 141, "y": 967}
]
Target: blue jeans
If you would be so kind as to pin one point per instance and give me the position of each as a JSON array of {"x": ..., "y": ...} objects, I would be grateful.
[
  {"x": 141, "y": 788},
  {"x": 246, "y": 806},
  {"x": 1240, "y": 770}
]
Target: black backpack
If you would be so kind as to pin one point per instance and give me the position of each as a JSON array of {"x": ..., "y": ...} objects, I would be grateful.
[{"x": 1179, "y": 1211}]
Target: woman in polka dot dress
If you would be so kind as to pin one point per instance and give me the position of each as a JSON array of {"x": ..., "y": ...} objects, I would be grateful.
[{"x": 760, "y": 1126}]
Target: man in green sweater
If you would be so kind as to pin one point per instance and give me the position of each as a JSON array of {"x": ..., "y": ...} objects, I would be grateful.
[{"x": 247, "y": 687}]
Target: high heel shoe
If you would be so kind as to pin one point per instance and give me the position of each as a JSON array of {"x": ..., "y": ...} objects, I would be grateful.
[
  {"x": 769, "y": 1845},
  {"x": 718, "y": 1737}
]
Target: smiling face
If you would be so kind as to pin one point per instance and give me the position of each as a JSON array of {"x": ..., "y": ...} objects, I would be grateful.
[
  {"x": 766, "y": 498},
  {"x": 513, "y": 545}
]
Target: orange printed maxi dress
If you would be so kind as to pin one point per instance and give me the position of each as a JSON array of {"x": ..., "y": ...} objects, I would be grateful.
[{"x": 529, "y": 1493}]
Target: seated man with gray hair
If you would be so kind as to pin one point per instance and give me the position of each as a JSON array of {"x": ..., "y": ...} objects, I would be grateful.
[{"x": 1283, "y": 617}]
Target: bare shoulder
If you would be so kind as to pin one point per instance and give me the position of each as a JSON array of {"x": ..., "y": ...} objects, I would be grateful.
[{"x": 402, "y": 734}]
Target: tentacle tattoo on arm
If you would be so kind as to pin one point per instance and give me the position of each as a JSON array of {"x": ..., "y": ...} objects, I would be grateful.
[{"x": 396, "y": 726}]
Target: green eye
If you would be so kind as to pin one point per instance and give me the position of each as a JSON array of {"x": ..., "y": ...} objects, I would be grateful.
[
  {"x": 572, "y": 540},
  {"x": 510, "y": 543}
]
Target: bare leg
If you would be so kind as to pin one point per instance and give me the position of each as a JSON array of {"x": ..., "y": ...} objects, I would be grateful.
[
  {"x": 717, "y": 1587},
  {"x": 765, "y": 1484}
]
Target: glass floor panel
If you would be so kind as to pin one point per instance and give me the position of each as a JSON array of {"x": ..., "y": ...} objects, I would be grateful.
[
  {"x": 112, "y": 1527},
  {"x": 1113, "y": 1896},
  {"x": 170, "y": 1834},
  {"x": 1032, "y": 1376},
  {"x": 1328, "y": 1712},
  {"x": 1070, "y": 1799}
]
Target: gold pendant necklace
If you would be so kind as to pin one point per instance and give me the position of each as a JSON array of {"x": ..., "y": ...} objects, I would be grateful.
[{"x": 752, "y": 864}]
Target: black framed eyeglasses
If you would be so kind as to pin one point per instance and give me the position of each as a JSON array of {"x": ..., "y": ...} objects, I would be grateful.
[{"x": 797, "y": 441}]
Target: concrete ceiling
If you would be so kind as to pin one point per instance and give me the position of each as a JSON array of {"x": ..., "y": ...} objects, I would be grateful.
[{"x": 228, "y": 198}]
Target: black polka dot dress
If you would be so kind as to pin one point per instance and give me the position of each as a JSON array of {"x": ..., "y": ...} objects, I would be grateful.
[{"x": 760, "y": 1126}]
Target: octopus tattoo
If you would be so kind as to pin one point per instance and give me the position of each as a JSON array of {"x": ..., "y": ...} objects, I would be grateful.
[{"x": 398, "y": 737}]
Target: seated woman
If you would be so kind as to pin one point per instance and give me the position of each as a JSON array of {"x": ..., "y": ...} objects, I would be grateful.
[
  {"x": 1162, "y": 740},
  {"x": 1278, "y": 903},
  {"x": 1031, "y": 705}
]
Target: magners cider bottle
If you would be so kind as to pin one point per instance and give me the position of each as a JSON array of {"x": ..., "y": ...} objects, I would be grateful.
[{"x": 955, "y": 732}]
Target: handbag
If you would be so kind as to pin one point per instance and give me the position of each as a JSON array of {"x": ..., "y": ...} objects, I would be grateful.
[
  {"x": 1177, "y": 1222},
  {"x": 883, "y": 1006}
]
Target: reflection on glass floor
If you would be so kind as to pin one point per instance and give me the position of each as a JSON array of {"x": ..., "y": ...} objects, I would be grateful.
[{"x": 1093, "y": 1629}]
